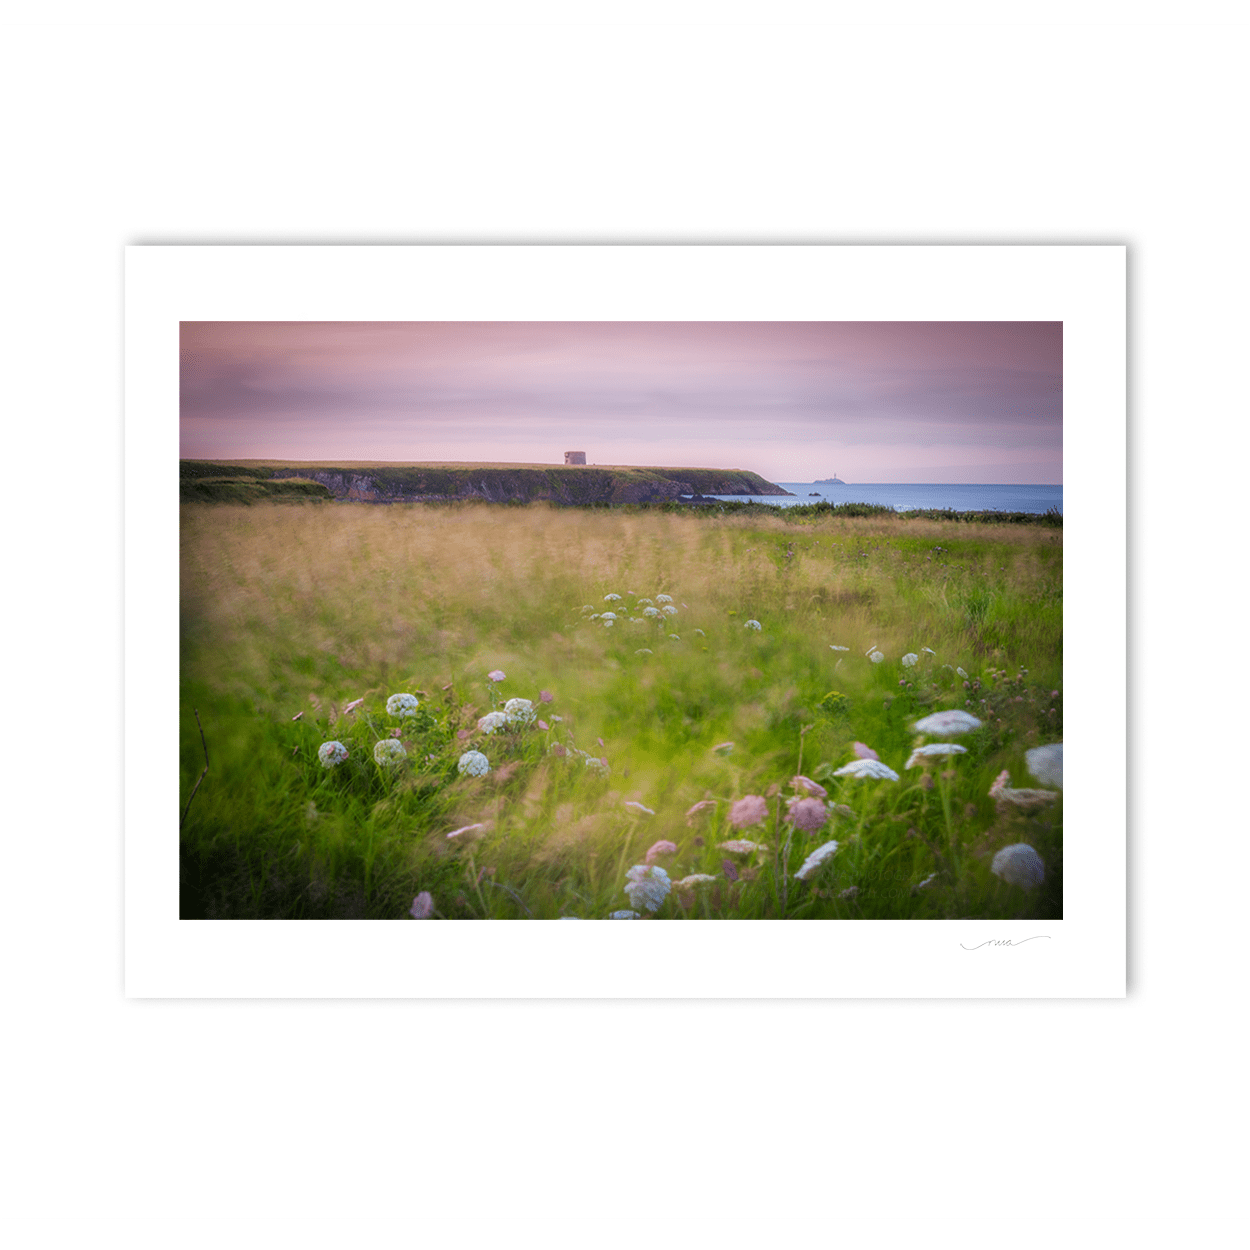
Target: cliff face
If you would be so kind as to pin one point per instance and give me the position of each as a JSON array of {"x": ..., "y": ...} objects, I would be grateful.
[{"x": 396, "y": 483}]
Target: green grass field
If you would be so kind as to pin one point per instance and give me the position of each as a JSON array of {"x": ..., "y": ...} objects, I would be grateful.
[{"x": 292, "y": 611}]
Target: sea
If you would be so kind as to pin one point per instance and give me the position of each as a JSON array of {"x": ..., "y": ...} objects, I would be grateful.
[{"x": 905, "y": 496}]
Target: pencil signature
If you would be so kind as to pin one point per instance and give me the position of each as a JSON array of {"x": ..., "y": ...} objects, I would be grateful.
[{"x": 1004, "y": 942}]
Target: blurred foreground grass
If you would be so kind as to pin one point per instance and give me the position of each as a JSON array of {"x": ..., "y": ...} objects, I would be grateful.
[{"x": 292, "y": 611}]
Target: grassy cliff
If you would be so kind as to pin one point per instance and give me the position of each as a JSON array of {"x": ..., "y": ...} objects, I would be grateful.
[{"x": 374, "y": 482}]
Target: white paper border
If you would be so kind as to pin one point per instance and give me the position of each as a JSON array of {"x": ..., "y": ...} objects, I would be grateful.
[{"x": 1082, "y": 955}]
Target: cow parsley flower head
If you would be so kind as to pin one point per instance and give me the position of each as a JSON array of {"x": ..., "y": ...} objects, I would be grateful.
[
  {"x": 611, "y": 598},
  {"x": 473, "y": 764},
  {"x": 662, "y": 847},
  {"x": 519, "y": 712},
  {"x": 1046, "y": 763},
  {"x": 961, "y": 672},
  {"x": 875, "y": 656},
  {"x": 947, "y": 724},
  {"x": 331, "y": 754},
  {"x": 402, "y": 705},
  {"x": 664, "y": 598},
  {"x": 669, "y": 610},
  {"x": 932, "y": 750},
  {"x": 607, "y": 616},
  {"x": 747, "y": 811},
  {"x": 597, "y": 766},
  {"x": 496, "y": 674},
  {"x": 930, "y": 650},
  {"x": 422, "y": 906},
  {"x": 740, "y": 846},
  {"x": 909, "y": 659},
  {"x": 644, "y": 600},
  {"x": 492, "y": 721},
  {"x": 651, "y": 612},
  {"x": 644, "y": 651},
  {"x": 807, "y": 814},
  {"x": 835, "y": 647},
  {"x": 867, "y": 768},
  {"x": 1019, "y": 865},
  {"x": 624, "y": 915},
  {"x": 752, "y": 625},
  {"x": 389, "y": 752},
  {"x": 809, "y": 787},
  {"x": 811, "y": 865},
  {"x": 695, "y": 878},
  {"x": 648, "y": 886}
]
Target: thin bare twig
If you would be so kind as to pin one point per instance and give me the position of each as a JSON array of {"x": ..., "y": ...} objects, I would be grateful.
[{"x": 204, "y": 774}]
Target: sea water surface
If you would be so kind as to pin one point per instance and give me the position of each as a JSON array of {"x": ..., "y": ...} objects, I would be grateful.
[{"x": 904, "y": 496}]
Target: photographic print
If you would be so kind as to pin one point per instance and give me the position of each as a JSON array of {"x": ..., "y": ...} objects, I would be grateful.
[
  {"x": 622, "y": 620},
  {"x": 583, "y": 618}
]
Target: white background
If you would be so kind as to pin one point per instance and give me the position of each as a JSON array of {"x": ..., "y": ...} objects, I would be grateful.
[{"x": 319, "y": 1123}]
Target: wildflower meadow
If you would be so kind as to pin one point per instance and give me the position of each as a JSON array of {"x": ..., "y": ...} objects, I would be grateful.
[{"x": 475, "y": 711}]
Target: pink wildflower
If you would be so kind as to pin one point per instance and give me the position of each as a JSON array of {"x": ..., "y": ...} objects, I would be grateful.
[
  {"x": 864, "y": 752},
  {"x": 727, "y": 867},
  {"x": 422, "y": 906},
  {"x": 545, "y": 696},
  {"x": 1001, "y": 783},
  {"x": 749, "y": 810},
  {"x": 496, "y": 674},
  {"x": 809, "y": 787},
  {"x": 352, "y": 706},
  {"x": 663, "y": 847},
  {"x": 455, "y": 833},
  {"x": 701, "y": 806},
  {"x": 807, "y": 814},
  {"x": 542, "y": 724}
]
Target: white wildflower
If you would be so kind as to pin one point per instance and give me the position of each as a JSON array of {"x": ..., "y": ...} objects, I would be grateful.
[
  {"x": 835, "y": 647},
  {"x": 664, "y": 598},
  {"x": 587, "y": 607},
  {"x": 611, "y": 598},
  {"x": 675, "y": 637},
  {"x": 695, "y": 878},
  {"x": 638, "y": 807},
  {"x": 669, "y": 610},
  {"x": 492, "y": 721},
  {"x": 651, "y": 612},
  {"x": 597, "y": 766},
  {"x": 741, "y": 846},
  {"x": 331, "y": 754},
  {"x": 455, "y": 833},
  {"x": 920, "y": 754},
  {"x": 698, "y": 633},
  {"x": 473, "y": 764},
  {"x": 648, "y": 886},
  {"x": 624, "y": 915},
  {"x": 867, "y": 768},
  {"x": 962, "y": 674},
  {"x": 1019, "y": 865},
  {"x": 875, "y": 656},
  {"x": 909, "y": 659},
  {"x": 1046, "y": 763},
  {"x": 813, "y": 862},
  {"x": 389, "y": 751},
  {"x": 751, "y": 625},
  {"x": 930, "y": 650},
  {"x": 594, "y": 616},
  {"x": 519, "y": 712},
  {"x": 643, "y": 651},
  {"x": 402, "y": 705},
  {"x": 608, "y": 616},
  {"x": 608, "y": 624},
  {"x": 946, "y": 724},
  {"x": 920, "y": 885},
  {"x": 645, "y": 601}
]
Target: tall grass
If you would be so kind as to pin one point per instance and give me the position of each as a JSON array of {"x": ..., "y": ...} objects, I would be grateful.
[{"x": 292, "y": 611}]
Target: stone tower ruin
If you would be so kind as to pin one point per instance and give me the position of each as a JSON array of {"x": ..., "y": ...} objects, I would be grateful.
[{"x": 574, "y": 457}]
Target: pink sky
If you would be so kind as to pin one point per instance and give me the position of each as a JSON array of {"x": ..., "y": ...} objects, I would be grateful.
[{"x": 793, "y": 401}]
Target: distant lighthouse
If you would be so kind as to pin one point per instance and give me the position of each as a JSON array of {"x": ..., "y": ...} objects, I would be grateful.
[{"x": 574, "y": 457}]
